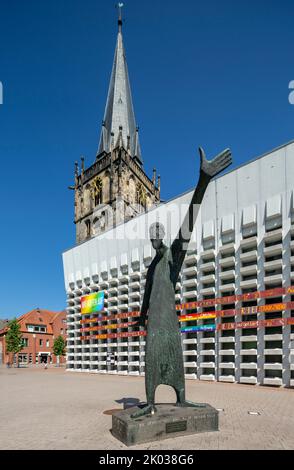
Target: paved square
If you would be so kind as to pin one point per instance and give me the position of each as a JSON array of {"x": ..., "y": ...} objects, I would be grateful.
[{"x": 55, "y": 409}]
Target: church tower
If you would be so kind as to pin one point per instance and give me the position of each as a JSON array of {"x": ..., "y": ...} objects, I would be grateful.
[{"x": 115, "y": 187}]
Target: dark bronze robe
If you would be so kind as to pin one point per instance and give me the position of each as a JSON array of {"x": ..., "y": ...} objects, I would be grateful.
[{"x": 163, "y": 352}]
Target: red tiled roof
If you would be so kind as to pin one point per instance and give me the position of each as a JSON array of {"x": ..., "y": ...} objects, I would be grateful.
[{"x": 37, "y": 316}]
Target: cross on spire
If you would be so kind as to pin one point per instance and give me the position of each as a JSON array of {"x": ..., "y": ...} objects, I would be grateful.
[{"x": 119, "y": 6}]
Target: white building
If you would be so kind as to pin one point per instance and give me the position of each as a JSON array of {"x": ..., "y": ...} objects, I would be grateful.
[{"x": 243, "y": 242}]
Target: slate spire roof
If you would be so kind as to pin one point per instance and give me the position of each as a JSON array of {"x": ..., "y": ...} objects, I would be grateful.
[{"x": 119, "y": 116}]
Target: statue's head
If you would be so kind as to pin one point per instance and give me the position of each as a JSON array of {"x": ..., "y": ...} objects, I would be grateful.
[{"x": 156, "y": 233}]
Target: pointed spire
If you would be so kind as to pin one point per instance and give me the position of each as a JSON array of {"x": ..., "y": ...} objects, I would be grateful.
[
  {"x": 137, "y": 151},
  {"x": 76, "y": 169},
  {"x": 76, "y": 174},
  {"x": 120, "y": 142},
  {"x": 83, "y": 164},
  {"x": 119, "y": 111}
]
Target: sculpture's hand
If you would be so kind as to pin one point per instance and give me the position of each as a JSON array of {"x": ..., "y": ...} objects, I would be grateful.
[{"x": 218, "y": 164}]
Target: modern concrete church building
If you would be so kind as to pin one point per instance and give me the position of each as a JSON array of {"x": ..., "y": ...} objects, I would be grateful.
[{"x": 234, "y": 294}]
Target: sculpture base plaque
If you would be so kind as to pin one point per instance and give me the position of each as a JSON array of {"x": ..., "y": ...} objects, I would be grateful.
[{"x": 168, "y": 421}]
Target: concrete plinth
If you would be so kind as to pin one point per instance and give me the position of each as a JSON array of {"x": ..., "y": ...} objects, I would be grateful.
[{"x": 169, "y": 421}]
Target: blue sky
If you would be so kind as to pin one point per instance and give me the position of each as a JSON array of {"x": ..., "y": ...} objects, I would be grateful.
[{"x": 213, "y": 73}]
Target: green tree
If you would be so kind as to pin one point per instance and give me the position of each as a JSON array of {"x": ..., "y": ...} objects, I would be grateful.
[
  {"x": 13, "y": 339},
  {"x": 59, "y": 347}
]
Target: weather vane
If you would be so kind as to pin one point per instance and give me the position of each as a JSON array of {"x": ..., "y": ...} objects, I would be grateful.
[{"x": 119, "y": 6}]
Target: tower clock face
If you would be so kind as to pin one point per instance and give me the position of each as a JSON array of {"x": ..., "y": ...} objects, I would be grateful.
[
  {"x": 141, "y": 194},
  {"x": 97, "y": 184}
]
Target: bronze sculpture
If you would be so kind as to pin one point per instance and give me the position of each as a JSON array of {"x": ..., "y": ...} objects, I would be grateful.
[{"x": 164, "y": 356}]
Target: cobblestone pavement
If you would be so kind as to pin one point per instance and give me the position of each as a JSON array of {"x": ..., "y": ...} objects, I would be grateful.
[{"x": 55, "y": 409}]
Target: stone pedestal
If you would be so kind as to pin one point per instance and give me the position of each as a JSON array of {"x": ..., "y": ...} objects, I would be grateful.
[{"x": 169, "y": 421}]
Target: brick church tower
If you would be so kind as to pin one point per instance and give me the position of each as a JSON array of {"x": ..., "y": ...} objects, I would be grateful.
[{"x": 115, "y": 187}]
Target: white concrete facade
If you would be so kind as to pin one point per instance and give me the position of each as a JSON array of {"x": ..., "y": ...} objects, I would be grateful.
[{"x": 243, "y": 242}]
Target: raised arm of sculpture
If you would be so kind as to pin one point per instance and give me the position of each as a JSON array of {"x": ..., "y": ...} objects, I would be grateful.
[{"x": 208, "y": 169}]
